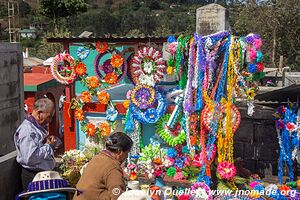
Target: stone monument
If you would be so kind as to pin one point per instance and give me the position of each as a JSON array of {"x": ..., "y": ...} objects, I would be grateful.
[{"x": 212, "y": 18}]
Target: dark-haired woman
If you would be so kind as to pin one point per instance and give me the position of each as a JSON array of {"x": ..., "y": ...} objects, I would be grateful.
[{"x": 102, "y": 179}]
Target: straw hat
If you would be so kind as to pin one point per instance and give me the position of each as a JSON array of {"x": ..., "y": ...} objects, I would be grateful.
[{"x": 47, "y": 181}]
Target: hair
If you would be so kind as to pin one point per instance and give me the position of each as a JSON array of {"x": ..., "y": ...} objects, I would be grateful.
[
  {"x": 118, "y": 141},
  {"x": 44, "y": 104}
]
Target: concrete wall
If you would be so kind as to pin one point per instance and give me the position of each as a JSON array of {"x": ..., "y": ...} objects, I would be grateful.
[{"x": 11, "y": 115}]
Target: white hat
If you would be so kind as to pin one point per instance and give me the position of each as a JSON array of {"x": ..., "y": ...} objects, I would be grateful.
[
  {"x": 47, "y": 181},
  {"x": 134, "y": 195}
]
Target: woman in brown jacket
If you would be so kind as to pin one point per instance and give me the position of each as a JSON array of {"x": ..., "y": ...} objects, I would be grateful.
[{"x": 102, "y": 179}]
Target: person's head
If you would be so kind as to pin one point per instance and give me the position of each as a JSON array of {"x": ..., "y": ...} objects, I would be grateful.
[
  {"x": 119, "y": 144},
  {"x": 43, "y": 111}
]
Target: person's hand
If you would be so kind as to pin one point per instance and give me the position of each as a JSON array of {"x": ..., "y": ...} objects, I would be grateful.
[{"x": 51, "y": 140}]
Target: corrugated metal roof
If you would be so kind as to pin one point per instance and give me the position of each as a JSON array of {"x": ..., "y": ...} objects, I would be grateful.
[
  {"x": 32, "y": 61},
  {"x": 289, "y": 93},
  {"x": 110, "y": 39}
]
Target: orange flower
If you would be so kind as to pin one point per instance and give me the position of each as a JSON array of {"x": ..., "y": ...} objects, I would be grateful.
[
  {"x": 116, "y": 60},
  {"x": 103, "y": 97},
  {"x": 104, "y": 129},
  {"x": 193, "y": 140},
  {"x": 111, "y": 78},
  {"x": 157, "y": 161},
  {"x": 93, "y": 82},
  {"x": 101, "y": 47},
  {"x": 126, "y": 104},
  {"x": 80, "y": 69},
  {"x": 86, "y": 97},
  {"x": 79, "y": 114},
  {"x": 284, "y": 188},
  {"x": 91, "y": 129}
]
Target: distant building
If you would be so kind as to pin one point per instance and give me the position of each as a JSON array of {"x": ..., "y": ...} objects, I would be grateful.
[{"x": 28, "y": 33}]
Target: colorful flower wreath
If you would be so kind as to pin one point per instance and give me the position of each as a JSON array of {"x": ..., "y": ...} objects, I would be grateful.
[
  {"x": 163, "y": 131},
  {"x": 207, "y": 117},
  {"x": 201, "y": 191},
  {"x": 143, "y": 96},
  {"x": 113, "y": 69},
  {"x": 62, "y": 68},
  {"x": 147, "y": 66}
]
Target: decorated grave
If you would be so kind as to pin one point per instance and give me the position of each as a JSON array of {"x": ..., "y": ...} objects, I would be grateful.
[{"x": 182, "y": 132}]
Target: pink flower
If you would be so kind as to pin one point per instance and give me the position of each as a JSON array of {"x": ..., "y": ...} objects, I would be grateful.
[
  {"x": 178, "y": 176},
  {"x": 226, "y": 170},
  {"x": 131, "y": 166},
  {"x": 128, "y": 94},
  {"x": 172, "y": 47},
  {"x": 187, "y": 161},
  {"x": 198, "y": 160},
  {"x": 252, "y": 54},
  {"x": 253, "y": 184},
  {"x": 157, "y": 172},
  {"x": 257, "y": 43},
  {"x": 290, "y": 127},
  {"x": 184, "y": 197}
]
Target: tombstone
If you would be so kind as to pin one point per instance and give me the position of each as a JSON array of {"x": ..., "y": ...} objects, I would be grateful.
[{"x": 212, "y": 18}]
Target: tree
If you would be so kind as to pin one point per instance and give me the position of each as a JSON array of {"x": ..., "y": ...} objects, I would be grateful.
[{"x": 56, "y": 9}]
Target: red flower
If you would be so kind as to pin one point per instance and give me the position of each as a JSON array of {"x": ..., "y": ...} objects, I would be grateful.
[{"x": 290, "y": 127}]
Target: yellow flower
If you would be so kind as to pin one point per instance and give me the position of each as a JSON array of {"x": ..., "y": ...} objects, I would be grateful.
[
  {"x": 250, "y": 94},
  {"x": 254, "y": 194},
  {"x": 126, "y": 104},
  {"x": 170, "y": 70}
]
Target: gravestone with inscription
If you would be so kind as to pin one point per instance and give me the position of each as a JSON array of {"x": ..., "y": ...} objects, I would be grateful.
[{"x": 212, "y": 18}]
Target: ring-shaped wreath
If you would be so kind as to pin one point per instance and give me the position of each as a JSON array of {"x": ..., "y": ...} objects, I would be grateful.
[
  {"x": 113, "y": 69},
  {"x": 163, "y": 131},
  {"x": 147, "y": 66},
  {"x": 63, "y": 68},
  {"x": 207, "y": 117}
]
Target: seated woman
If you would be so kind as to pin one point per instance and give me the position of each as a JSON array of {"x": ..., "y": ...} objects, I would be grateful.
[{"x": 103, "y": 176}]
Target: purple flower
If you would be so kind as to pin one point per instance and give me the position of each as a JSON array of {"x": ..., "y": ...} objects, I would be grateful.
[{"x": 279, "y": 124}]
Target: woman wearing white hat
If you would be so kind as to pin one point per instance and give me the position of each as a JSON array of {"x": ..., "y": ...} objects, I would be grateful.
[{"x": 47, "y": 185}]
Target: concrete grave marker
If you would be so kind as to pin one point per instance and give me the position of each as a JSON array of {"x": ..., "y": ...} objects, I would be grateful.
[{"x": 212, "y": 18}]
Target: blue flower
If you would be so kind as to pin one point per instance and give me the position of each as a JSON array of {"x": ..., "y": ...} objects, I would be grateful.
[
  {"x": 172, "y": 153},
  {"x": 136, "y": 156},
  {"x": 185, "y": 150},
  {"x": 171, "y": 39},
  {"x": 259, "y": 188},
  {"x": 259, "y": 56},
  {"x": 252, "y": 68},
  {"x": 151, "y": 116},
  {"x": 111, "y": 114},
  {"x": 82, "y": 53},
  {"x": 179, "y": 163}
]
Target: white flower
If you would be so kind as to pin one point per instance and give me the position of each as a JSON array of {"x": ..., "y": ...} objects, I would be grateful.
[
  {"x": 201, "y": 193},
  {"x": 148, "y": 67},
  {"x": 147, "y": 80}
]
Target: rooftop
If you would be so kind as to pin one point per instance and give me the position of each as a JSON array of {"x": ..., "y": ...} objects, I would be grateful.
[{"x": 34, "y": 82}]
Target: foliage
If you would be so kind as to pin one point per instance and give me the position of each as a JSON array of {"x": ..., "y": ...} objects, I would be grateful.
[{"x": 46, "y": 50}]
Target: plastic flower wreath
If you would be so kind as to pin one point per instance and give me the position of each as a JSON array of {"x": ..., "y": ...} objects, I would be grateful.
[
  {"x": 82, "y": 53},
  {"x": 111, "y": 114}
]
